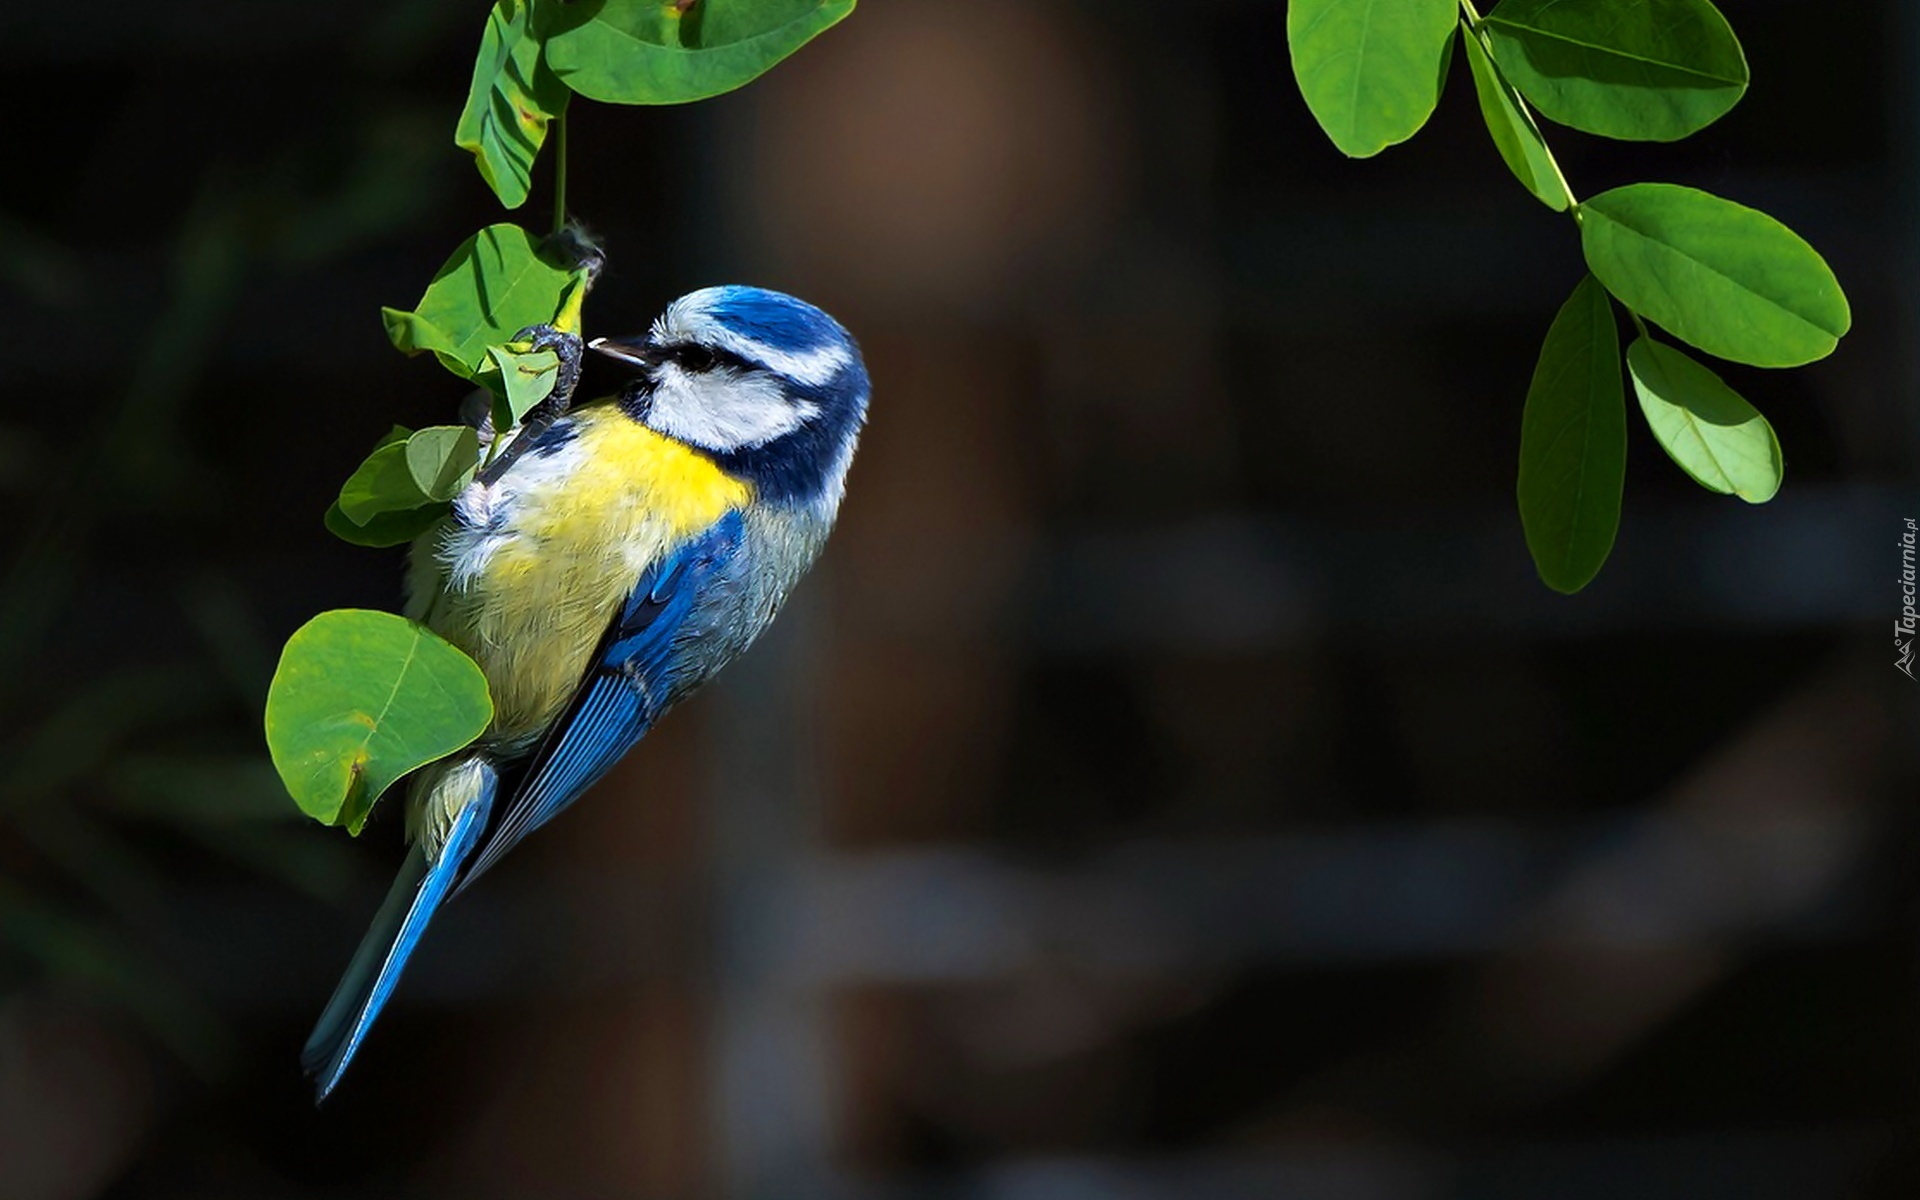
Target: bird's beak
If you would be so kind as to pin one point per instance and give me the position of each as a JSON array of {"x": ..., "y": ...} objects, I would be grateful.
[{"x": 633, "y": 353}]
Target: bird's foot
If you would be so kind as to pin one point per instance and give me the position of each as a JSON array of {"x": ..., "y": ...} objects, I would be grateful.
[{"x": 566, "y": 347}]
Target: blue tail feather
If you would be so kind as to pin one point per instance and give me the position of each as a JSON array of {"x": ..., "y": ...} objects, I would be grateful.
[{"x": 371, "y": 976}]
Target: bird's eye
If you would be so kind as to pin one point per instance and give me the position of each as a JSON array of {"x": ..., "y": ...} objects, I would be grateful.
[{"x": 694, "y": 358}]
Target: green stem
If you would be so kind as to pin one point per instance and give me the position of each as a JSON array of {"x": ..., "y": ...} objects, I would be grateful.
[
  {"x": 560, "y": 172},
  {"x": 1638, "y": 323},
  {"x": 1573, "y": 201}
]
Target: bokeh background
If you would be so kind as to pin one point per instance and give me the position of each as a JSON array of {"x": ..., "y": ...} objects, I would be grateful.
[{"x": 1172, "y": 783}]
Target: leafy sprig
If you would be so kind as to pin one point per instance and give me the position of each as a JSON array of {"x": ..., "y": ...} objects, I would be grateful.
[{"x": 1723, "y": 278}]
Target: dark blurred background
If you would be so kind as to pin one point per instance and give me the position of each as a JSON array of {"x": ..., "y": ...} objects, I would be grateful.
[{"x": 1172, "y": 783}]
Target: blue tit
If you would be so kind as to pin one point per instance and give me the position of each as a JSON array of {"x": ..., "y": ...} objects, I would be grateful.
[{"x": 608, "y": 562}]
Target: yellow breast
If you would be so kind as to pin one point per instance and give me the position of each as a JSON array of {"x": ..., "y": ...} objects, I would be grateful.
[{"x": 528, "y": 580}]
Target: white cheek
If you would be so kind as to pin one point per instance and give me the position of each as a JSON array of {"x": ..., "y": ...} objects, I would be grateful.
[{"x": 723, "y": 411}]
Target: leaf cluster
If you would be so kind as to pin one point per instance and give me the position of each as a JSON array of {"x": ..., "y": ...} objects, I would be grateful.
[
  {"x": 362, "y": 697},
  {"x": 535, "y": 54},
  {"x": 1725, "y": 279}
]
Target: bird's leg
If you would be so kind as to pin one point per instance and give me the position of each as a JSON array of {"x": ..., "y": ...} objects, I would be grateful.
[{"x": 568, "y": 348}]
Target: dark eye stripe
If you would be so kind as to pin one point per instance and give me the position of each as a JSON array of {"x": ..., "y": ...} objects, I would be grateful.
[{"x": 692, "y": 356}]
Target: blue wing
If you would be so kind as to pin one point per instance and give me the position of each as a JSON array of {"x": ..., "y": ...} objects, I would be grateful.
[{"x": 630, "y": 684}]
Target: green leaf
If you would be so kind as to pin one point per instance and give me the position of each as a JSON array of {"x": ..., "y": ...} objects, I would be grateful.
[
  {"x": 384, "y": 529},
  {"x": 1648, "y": 70},
  {"x": 1573, "y": 443},
  {"x": 511, "y": 99},
  {"x": 525, "y": 379},
  {"x": 1704, "y": 425},
  {"x": 399, "y": 433},
  {"x": 1726, "y": 278},
  {"x": 496, "y": 284},
  {"x": 1514, "y": 134},
  {"x": 402, "y": 488},
  {"x": 382, "y": 483},
  {"x": 361, "y": 698},
  {"x": 1370, "y": 70},
  {"x": 653, "y": 52},
  {"x": 442, "y": 460},
  {"x": 393, "y": 510}
]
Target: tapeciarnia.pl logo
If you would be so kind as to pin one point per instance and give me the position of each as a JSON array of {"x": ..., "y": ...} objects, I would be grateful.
[{"x": 1903, "y": 625}]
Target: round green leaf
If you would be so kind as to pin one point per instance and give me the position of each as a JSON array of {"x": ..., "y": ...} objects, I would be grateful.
[
  {"x": 1704, "y": 425},
  {"x": 1573, "y": 443},
  {"x": 1723, "y": 277},
  {"x": 496, "y": 284},
  {"x": 361, "y": 698},
  {"x": 1370, "y": 70},
  {"x": 1648, "y": 70},
  {"x": 380, "y": 527},
  {"x": 651, "y": 52},
  {"x": 389, "y": 506},
  {"x": 442, "y": 459},
  {"x": 384, "y": 529},
  {"x": 383, "y": 483},
  {"x": 509, "y": 103},
  {"x": 1514, "y": 134}
]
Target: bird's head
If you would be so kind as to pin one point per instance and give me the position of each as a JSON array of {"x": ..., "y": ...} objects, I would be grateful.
[{"x": 769, "y": 386}]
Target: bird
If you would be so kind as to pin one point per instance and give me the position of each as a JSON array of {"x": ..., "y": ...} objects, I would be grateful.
[{"x": 607, "y": 562}]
